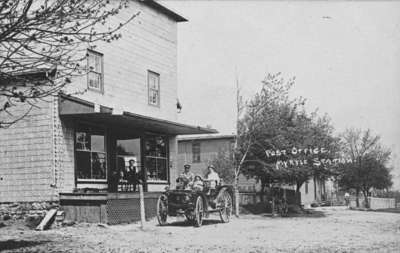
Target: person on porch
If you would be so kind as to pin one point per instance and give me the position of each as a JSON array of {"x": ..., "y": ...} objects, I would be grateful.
[{"x": 132, "y": 176}]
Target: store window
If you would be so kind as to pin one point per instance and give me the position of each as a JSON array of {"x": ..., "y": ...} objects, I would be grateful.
[
  {"x": 156, "y": 158},
  {"x": 95, "y": 71},
  {"x": 90, "y": 153},
  {"x": 196, "y": 152},
  {"x": 153, "y": 80}
]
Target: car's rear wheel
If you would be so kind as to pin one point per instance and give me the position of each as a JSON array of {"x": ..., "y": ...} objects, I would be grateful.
[
  {"x": 225, "y": 204},
  {"x": 162, "y": 210},
  {"x": 198, "y": 212}
]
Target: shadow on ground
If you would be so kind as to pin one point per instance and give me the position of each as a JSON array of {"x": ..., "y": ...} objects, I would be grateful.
[
  {"x": 187, "y": 223},
  {"x": 18, "y": 244},
  {"x": 308, "y": 213},
  {"x": 385, "y": 210},
  {"x": 294, "y": 211}
]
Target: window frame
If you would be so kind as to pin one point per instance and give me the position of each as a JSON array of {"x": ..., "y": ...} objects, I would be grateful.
[
  {"x": 196, "y": 157},
  {"x": 90, "y": 180},
  {"x": 166, "y": 158},
  {"x": 101, "y": 73},
  {"x": 149, "y": 89}
]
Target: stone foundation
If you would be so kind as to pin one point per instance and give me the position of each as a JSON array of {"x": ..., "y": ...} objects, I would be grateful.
[{"x": 22, "y": 210}]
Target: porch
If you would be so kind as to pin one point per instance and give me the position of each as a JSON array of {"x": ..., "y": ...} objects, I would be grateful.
[
  {"x": 111, "y": 153},
  {"x": 109, "y": 208}
]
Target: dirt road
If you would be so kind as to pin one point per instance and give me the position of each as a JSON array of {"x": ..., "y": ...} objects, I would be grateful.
[{"x": 328, "y": 230}]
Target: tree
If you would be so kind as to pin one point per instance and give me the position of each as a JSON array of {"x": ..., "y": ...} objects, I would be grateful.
[
  {"x": 274, "y": 121},
  {"x": 43, "y": 45},
  {"x": 368, "y": 169},
  {"x": 240, "y": 150}
]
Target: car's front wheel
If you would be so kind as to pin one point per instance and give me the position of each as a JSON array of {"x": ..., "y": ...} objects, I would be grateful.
[
  {"x": 162, "y": 210},
  {"x": 198, "y": 212}
]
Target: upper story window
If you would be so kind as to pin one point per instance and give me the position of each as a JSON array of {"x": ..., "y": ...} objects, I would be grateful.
[
  {"x": 196, "y": 152},
  {"x": 95, "y": 71},
  {"x": 153, "y": 80}
]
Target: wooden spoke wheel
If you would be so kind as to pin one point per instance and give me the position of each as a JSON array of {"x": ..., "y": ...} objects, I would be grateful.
[
  {"x": 198, "y": 212},
  {"x": 284, "y": 209},
  {"x": 162, "y": 210},
  {"x": 225, "y": 204}
]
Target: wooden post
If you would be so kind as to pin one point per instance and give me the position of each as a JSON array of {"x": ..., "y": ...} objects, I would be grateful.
[
  {"x": 273, "y": 206},
  {"x": 237, "y": 200},
  {"x": 142, "y": 210}
]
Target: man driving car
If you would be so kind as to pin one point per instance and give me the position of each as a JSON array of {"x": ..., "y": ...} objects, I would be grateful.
[{"x": 186, "y": 178}]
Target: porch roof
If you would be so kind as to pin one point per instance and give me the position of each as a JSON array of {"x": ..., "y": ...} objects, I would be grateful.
[{"x": 75, "y": 108}]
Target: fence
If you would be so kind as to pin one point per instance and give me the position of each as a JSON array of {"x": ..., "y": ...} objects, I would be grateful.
[
  {"x": 252, "y": 198},
  {"x": 375, "y": 203},
  {"x": 381, "y": 203}
]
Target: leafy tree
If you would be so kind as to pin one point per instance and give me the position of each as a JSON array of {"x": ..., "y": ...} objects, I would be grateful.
[
  {"x": 274, "y": 121},
  {"x": 43, "y": 45},
  {"x": 368, "y": 169}
]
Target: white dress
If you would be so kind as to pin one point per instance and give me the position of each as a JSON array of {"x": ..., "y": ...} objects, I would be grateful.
[{"x": 214, "y": 178}]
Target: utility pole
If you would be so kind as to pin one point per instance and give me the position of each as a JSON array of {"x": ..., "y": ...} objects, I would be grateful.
[{"x": 236, "y": 165}]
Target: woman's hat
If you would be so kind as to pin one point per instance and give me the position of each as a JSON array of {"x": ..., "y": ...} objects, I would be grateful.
[{"x": 211, "y": 166}]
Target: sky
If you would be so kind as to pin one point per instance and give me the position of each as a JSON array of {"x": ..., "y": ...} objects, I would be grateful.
[{"x": 345, "y": 57}]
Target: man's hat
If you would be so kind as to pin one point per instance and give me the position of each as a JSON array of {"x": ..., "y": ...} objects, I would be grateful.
[{"x": 186, "y": 166}]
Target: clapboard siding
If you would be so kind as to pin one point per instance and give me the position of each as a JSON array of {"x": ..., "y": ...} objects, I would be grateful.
[
  {"x": 149, "y": 42},
  {"x": 26, "y": 157},
  {"x": 37, "y": 153},
  {"x": 209, "y": 150}
]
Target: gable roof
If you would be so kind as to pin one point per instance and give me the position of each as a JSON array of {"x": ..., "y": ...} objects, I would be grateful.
[{"x": 161, "y": 8}]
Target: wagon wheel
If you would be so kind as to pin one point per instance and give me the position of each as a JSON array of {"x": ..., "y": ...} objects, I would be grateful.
[
  {"x": 162, "y": 210},
  {"x": 225, "y": 204},
  {"x": 284, "y": 209},
  {"x": 198, "y": 212}
]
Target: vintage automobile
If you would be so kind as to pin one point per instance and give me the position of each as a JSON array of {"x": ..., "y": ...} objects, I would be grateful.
[{"x": 196, "y": 204}]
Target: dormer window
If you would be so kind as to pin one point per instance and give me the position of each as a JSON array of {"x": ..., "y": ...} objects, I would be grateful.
[
  {"x": 95, "y": 71},
  {"x": 153, "y": 80}
]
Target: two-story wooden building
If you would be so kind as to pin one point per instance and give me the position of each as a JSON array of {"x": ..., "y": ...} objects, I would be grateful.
[{"x": 72, "y": 148}]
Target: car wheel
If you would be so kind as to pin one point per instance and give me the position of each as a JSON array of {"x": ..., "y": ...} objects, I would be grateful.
[
  {"x": 225, "y": 207},
  {"x": 162, "y": 210},
  {"x": 198, "y": 212}
]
